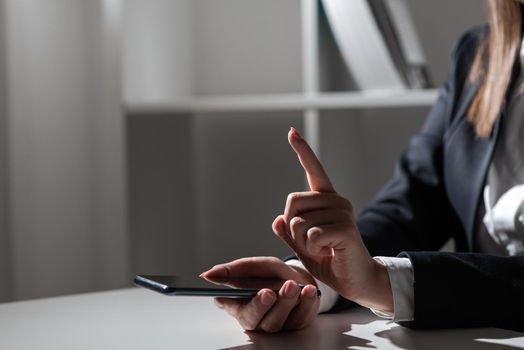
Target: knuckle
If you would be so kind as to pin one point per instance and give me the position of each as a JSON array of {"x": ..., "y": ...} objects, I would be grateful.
[
  {"x": 296, "y": 223},
  {"x": 277, "y": 232},
  {"x": 314, "y": 234},
  {"x": 274, "y": 225},
  {"x": 292, "y": 197},
  {"x": 273, "y": 260}
]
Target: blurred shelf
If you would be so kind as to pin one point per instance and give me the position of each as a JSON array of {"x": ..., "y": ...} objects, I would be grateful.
[{"x": 285, "y": 102}]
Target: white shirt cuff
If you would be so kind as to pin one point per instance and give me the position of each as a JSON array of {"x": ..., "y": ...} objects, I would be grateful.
[
  {"x": 328, "y": 296},
  {"x": 400, "y": 271}
]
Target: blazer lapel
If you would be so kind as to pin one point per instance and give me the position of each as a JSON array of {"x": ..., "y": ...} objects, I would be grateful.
[
  {"x": 467, "y": 158},
  {"x": 466, "y": 161}
]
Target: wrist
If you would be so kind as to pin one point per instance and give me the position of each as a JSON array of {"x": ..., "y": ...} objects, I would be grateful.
[
  {"x": 377, "y": 293},
  {"x": 384, "y": 291}
]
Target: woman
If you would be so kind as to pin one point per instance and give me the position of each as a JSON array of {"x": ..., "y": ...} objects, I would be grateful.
[{"x": 460, "y": 177}]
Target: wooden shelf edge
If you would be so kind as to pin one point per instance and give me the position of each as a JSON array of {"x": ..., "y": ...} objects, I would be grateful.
[{"x": 285, "y": 102}]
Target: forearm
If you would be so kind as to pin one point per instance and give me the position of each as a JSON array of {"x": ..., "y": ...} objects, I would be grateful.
[{"x": 377, "y": 293}]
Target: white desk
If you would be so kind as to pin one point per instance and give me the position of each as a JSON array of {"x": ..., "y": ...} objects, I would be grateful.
[{"x": 140, "y": 319}]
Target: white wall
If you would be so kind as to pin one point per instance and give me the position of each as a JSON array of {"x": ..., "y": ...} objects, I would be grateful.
[
  {"x": 247, "y": 46},
  {"x": 66, "y": 147},
  {"x": 158, "y": 49}
]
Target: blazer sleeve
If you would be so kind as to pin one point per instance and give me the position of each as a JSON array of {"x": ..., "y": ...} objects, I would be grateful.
[{"x": 467, "y": 290}]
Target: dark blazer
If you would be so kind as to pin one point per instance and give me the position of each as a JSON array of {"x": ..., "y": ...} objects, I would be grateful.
[{"x": 433, "y": 196}]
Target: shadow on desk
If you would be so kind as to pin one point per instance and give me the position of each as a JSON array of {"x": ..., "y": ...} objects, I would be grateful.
[
  {"x": 470, "y": 338},
  {"x": 363, "y": 330}
]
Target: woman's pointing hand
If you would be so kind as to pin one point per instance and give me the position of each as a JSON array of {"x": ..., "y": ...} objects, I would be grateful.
[{"x": 319, "y": 226}]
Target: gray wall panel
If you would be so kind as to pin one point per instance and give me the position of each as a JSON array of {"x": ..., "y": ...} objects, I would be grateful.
[
  {"x": 162, "y": 213},
  {"x": 245, "y": 169}
]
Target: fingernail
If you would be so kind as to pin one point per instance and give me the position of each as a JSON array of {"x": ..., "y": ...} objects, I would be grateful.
[
  {"x": 296, "y": 133},
  {"x": 291, "y": 289},
  {"x": 217, "y": 270},
  {"x": 267, "y": 298},
  {"x": 203, "y": 274},
  {"x": 310, "y": 292}
]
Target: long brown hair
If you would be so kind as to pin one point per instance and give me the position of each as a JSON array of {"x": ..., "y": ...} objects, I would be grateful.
[{"x": 493, "y": 64}]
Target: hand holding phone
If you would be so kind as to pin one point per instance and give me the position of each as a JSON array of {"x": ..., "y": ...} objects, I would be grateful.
[{"x": 291, "y": 308}]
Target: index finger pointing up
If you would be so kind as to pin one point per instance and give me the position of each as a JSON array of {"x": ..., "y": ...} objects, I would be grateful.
[{"x": 316, "y": 175}]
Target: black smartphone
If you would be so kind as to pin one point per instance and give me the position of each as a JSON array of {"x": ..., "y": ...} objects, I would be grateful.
[{"x": 197, "y": 286}]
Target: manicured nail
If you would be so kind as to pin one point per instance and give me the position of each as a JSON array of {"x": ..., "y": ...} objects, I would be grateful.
[
  {"x": 203, "y": 274},
  {"x": 310, "y": 292},
  {"x": 291, "y": 289},
  {"x": 267, "y": 298},
  {"x": 216, "y": 270},
  {"x": 296, "y": 133}
]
